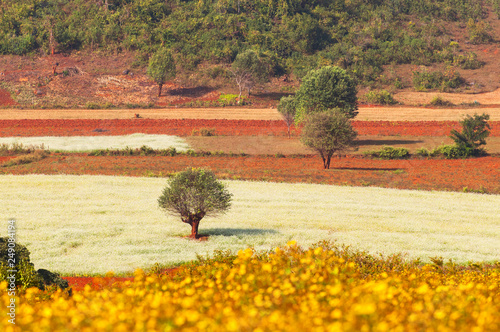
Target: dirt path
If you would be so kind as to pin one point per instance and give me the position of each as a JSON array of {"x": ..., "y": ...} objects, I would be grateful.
[{"x": 365, "y": 114}]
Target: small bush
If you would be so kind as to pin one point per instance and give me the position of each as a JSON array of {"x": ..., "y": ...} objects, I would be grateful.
[
  {"x": 436, "y": 80},
  {"x": 203, "y": 132},
  {"x": 92, "y": 106},
  {"x": 467, "y": 61},
  {"x": 26, "y": 275},
  {"x": 479, "y": 32},
  {"x": 382, "y": 97},
  {"x": 146, "y": 151},
  {"x": 438, "y": 101},
  {"x": 389, "y": 152},
  {"x": 230, "y": 100},
  {"x": 451, "y": 152},
  {"x": 18, "y": 148},
  {"x": 423, "y": 152},
  {"x": 28, "y": 158}
]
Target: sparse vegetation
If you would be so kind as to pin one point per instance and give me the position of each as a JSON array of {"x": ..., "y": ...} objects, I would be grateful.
[
  {"x": 389, "y": 152},
  {"x": 204, "y": 132},
  {"x": 438, "y": 101},
  {"x": 423, "y": 81},
  {"x": 382, "y": 97}
]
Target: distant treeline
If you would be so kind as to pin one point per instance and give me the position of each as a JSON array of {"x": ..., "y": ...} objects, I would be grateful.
[{"x": 296, "y": 35}]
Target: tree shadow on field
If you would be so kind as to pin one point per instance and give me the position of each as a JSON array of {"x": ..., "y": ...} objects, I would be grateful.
[
  {"x": 237, "y": 231},
  {"x": 368, "y": 169},
  {"x": 386, "y": 142},
  {"x": 272, "y": 95},
  {"x": 196, "y": 92}
]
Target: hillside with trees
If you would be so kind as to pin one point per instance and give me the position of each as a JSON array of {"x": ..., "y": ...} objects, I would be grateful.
[{"x": 393, "y": 44}]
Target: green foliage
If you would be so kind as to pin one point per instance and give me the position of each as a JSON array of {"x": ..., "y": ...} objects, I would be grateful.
[
  {"x": 161, "y": 67},
  {"x": 92, "y": 106},
  {"x": 288, "y": 108},
  {"x": 327, "y": 133},
  {"x": 389, "y": 152},
  {"x": 228, "y": 99},
  {"x": 28, "y": 158},
  {"x": 473, "y": 135},
  {"x": 438, "y": 101},
  {"x": 382, "y": 97},
  {"x": 249, "y": 68},
  {"x": 142, "y": 151},
  {"x": 326, "y": 88},
  {"x": 193, "y": 194},
  {"x": 19, "y": 256},
  {"x": 297, "y": 36},
  {"x": 451, "y": 152},
  {"x": 18, "y": 148},
  {"x": 423, "y": 81},
  {"x": 467, "y": 61},
  {"x": 479, "y": 32},
  {"x": 423, "y": 152}
]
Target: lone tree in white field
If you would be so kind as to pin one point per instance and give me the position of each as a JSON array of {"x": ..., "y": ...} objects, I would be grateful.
[
  {"x": 161, "y": 67},
  {"x": 193, "y": 194}
]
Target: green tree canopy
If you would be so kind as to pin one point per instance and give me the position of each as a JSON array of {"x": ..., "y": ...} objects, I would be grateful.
[
  {"x": 326, "y": 88},
  {"x": 474, "y": 133},
  {"x": 161, "y": 67},
  {"x": 194, "y": 194},
  {"x": 287, "y": 108},
  {"x": 328, "y": 132}
]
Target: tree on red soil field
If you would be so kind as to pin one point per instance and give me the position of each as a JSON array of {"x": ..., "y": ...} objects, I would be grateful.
[
  {"x": 248, "y": 69},
  {"x": 473, "y": 135},
  {"x": 326, "y": 88},
  {"x": 161, "y": 67},
  {"x": 287, "y": 109},
  {"x": 328, "y": 132},
  {"x": 194, "y": 194}
]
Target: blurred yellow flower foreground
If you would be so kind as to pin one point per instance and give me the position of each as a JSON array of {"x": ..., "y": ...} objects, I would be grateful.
[{"x": 325, "y": 288}]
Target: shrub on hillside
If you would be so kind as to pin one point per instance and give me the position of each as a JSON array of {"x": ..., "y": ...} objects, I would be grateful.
[
  {"x": 423, "y": 81},
  {"x": 438, "y": 101},
  {"x": 382, "y": 97}
]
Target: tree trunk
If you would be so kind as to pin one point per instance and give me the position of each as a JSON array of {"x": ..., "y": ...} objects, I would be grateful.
[
  {"x": 239, "y": 96},
  {"x": 194, "y": 222},
  {"x": 159, "y": 89},
  {"x": 288, "y": 132},
  {"x": 194, "y": 229}
]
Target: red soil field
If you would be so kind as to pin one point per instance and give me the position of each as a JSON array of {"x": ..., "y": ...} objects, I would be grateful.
[
  {"x": 478, "y": 174},
  {"x": 97, "y": 283},
  {"x": 185, "y": 127},
  {"x": 6, "y": 99}
]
